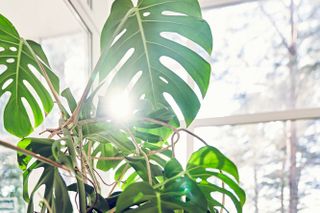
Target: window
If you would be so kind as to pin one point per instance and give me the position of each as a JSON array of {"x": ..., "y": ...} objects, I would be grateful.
[
  {"x": 262, "y": 154},
  {"x": 262, "y": 107},
  {"x": 67, "y": 43}
]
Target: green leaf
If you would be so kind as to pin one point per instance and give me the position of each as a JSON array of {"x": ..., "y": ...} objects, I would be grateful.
[
  {"x": 185, "y": 186},
  {"x": 55, "y": 187},
  {"x": 140, "y": 28},
  {"x": 209, "y": 157},
  {"x": 171, "y": 198},
  {"x": 147, "y": 137},
  {"x": 140, "y": 166},
  {"x": 98, "y": 202},
  {"x": 172, "y": 168},
  {"x": 135, "y": 194},
  {"x": 18, "y": 64},
  {"x": 106, "y": 150},
  {"x": 189, "y": 190},
  {"x": 199, "y": 168},
  {"x": 67, "y": 94}
]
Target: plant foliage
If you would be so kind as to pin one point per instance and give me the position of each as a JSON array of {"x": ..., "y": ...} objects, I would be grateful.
[
  {"x": 21, "y": 62},
  {"x": 144, "y": 30},
  {"x": 135, "y": 42}
]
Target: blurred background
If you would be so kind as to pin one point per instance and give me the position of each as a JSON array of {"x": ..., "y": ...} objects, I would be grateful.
[{"x": 262, "y": 108}]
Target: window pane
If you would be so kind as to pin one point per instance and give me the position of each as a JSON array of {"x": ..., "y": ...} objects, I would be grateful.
[
  {"x": 66, "y": 44},
  {"x": 256, "y": 67},
  {"x": 262, "y": 154}
]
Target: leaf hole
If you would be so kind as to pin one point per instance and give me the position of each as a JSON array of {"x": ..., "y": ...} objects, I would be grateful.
[
  {"x": 34, "y": 70},
  {"x": 134, "y": 80},
  {"x": 33, "y": 179},
  {"x": 34, "y": 93},
  {"x": 13, "y": 49},
  {"x": 38, "y": 75},
  {"x": 3, "y": 68},
  {"x": 142, "y": 97},
  {"x": 212, "y": 170},
  {"x": 173, "y": 105},
  {"x": 28, "y": 109},
  {"x": 7, "y": 84},
  {"x": 216, "y": 195},
  {"x": 146, "y": 14},
  {"x": 172, "y": 13},
  {"x": 198, "y": 180},
  {"x": 114, "y": 71},
  {"x": 163, "y": 79},
  {"x": 180, "y": 71},
  {"x": 10, "y": 60},
  {"x": 4, "y": 98},
  {"x": 118, "y": 36},
  {"x": 2, "y": 49},
  {"x": 184, "y": 41}
]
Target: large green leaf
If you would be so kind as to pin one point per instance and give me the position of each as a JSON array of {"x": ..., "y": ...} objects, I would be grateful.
[
  {"x": 178, "y": 192},
  {"x": 209, "y": 163},
  {"x": 17, "y": 67},
  {"x": 190, "y": 190},
  {"x": 141, "y": 197},
  {"x": 55, "y": 187},
  {"x": 140, "y": 28}
]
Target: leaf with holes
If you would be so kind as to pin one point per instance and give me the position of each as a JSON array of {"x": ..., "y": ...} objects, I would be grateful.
[
  {"x": 141, "y": 197},
  {"x": 209, "y": 163},
  {"x": 138, "y": 44},
  {"x": 55, "y": 187},
  {"x": 19, "y": 72}
]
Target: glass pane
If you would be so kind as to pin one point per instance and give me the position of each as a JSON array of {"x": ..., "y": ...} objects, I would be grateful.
[
  {"x": 258, "y": 65},
  {"x": 66, "y": 43},
  {"x": 262, "y": 153}
]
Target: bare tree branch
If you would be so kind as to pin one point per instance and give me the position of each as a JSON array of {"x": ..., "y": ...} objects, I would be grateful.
[{"x": 275, "y": 26}]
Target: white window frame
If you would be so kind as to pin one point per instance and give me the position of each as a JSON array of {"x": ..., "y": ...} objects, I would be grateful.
[
  {"x": 88, "y": 17},
  {"x": 242, "y": 119}
]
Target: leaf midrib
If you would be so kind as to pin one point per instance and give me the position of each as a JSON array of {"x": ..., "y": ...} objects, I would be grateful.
[
  {"x": 144, "y": 42},
  {"x": 18, "y": 69}
]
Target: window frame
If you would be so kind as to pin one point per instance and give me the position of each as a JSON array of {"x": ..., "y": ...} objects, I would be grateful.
[
  {"x": 243, "y": 119},
  {"x": 86, "y": 14}
]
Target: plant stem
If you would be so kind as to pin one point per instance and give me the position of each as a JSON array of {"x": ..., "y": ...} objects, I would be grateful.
[
  {"x": 119, "y": 179},
  {"x": 82, "y": 195},
  {"x": 194, "y": 135},
  {"x": 160, "y": 123},
  {"x": 139, "y": 150},
  {"x": 46, "y": 77},
  {"x": 32, "y": 154},
  {"x": 169, "y": 179},
  {"x": 223, "y": 196},
  {"x": 79, "y": 176}
]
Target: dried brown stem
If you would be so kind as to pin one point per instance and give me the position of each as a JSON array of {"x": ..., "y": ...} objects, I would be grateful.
[
  {"x": 119, "y": 179},
  {"x": 32, "y": 154}
]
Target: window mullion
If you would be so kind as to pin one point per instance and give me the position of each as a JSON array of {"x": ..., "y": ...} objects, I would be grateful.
[{"x": 295, "y": 114}]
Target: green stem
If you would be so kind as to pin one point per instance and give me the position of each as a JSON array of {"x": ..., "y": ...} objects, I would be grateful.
[
  {"x": 159, "y": 202},
  {"x": 79, "y": 176},
  {"x": 46, "y": 77},
  {"x": 145, "y": 156},
  {"x": 169, "y": 179},
  {"x": 82, "y": 194}
]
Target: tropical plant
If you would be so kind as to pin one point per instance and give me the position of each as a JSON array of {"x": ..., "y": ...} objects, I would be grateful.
[{"x": 140, "y": 150}]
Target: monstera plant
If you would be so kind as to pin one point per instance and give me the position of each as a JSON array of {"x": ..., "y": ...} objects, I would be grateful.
[{"x": 138, "y": 151}]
